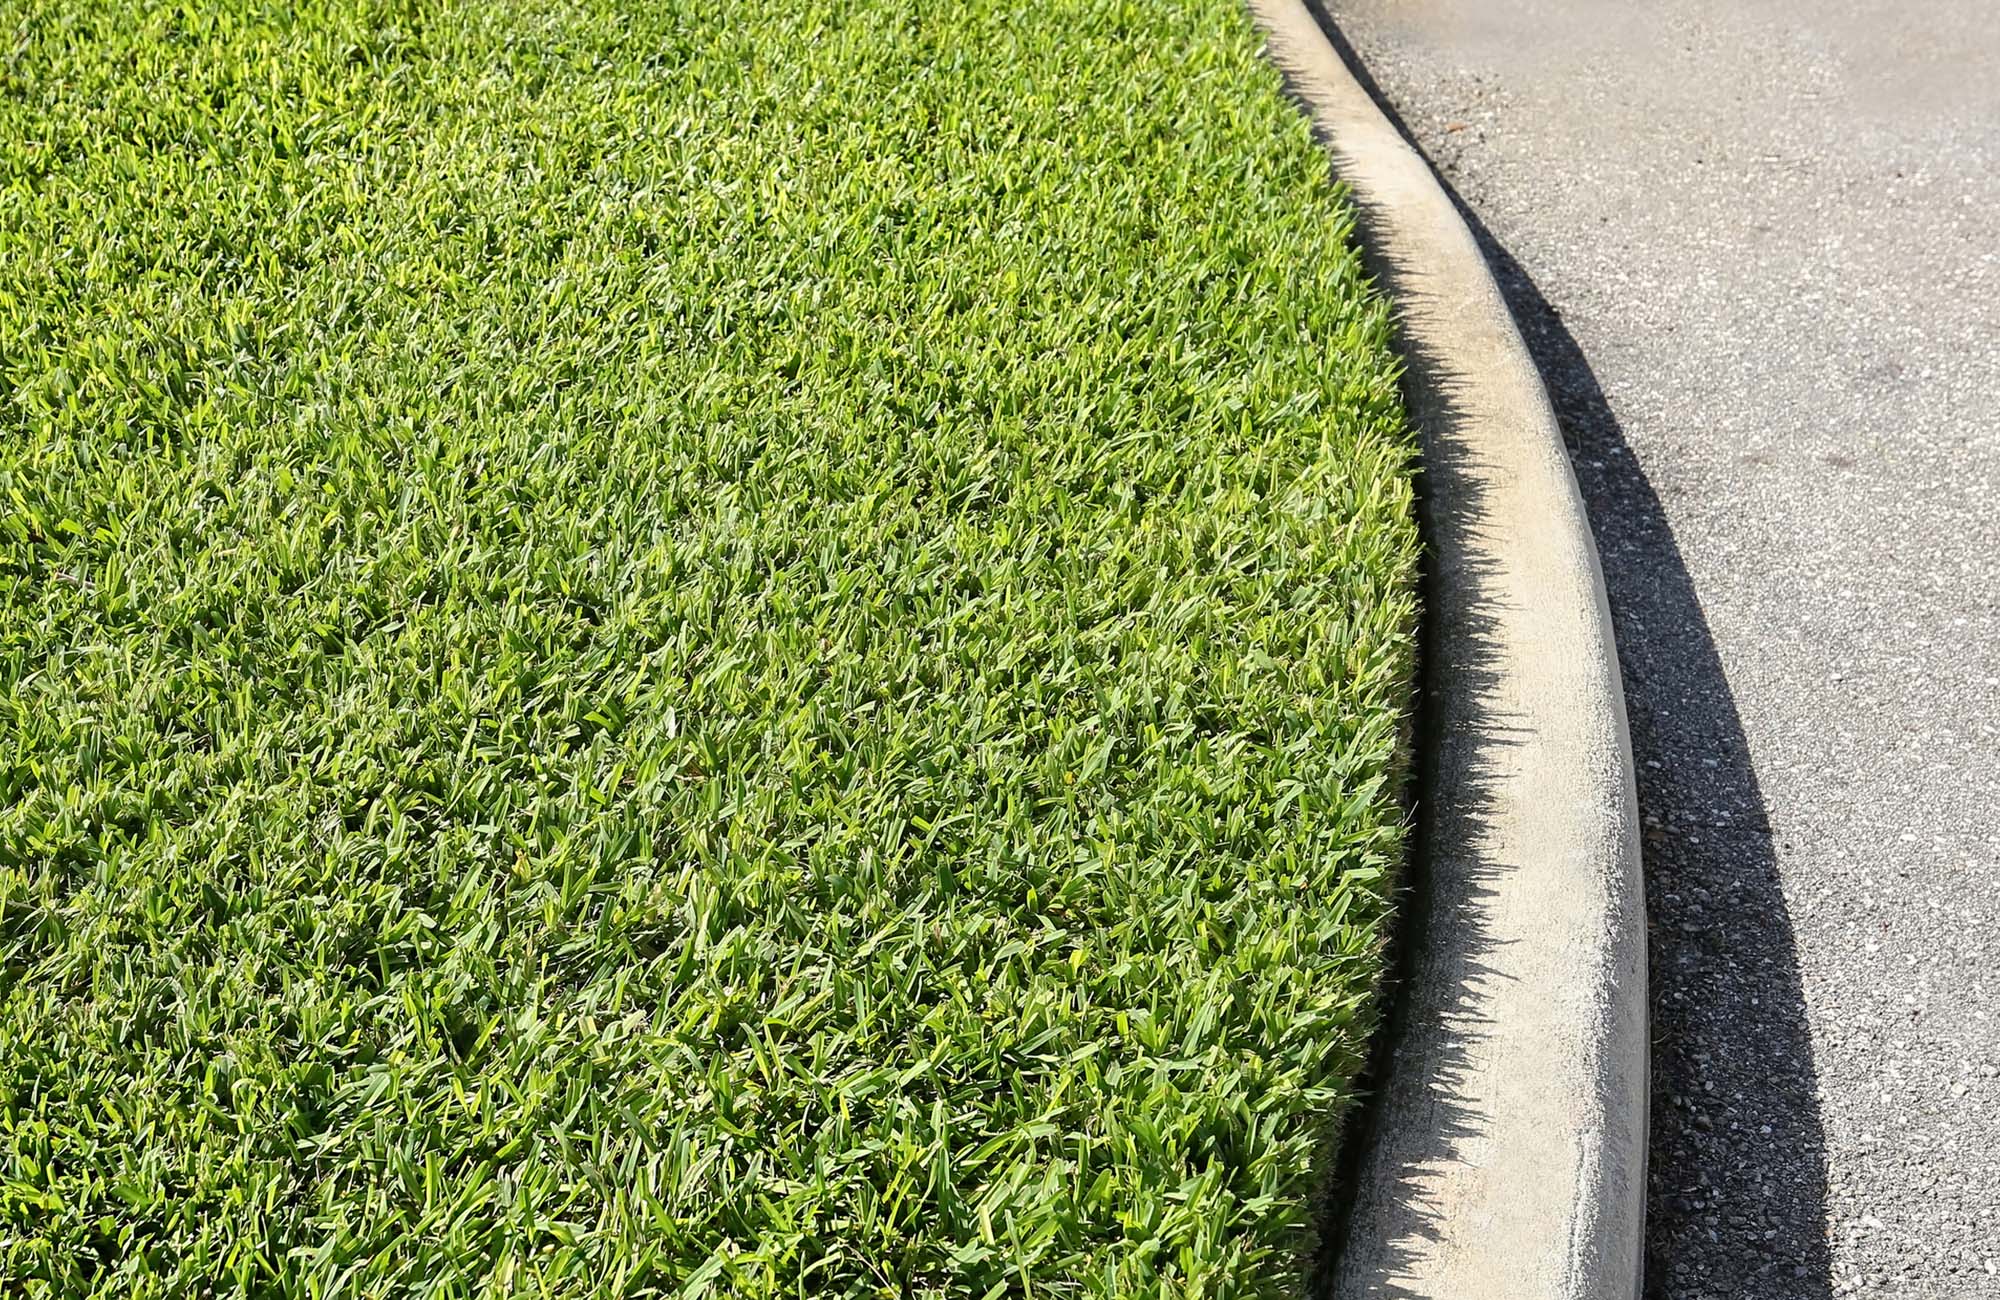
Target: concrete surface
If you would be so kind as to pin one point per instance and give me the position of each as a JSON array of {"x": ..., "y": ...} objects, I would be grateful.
[
  {"x": 1755, "y": 247},
  {"x": 1507, "y": 1156}
]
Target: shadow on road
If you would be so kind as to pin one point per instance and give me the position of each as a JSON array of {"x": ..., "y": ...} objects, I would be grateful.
[
  {"x": 1736, "y": 1198},
  {"x": 1737, "y": 1179}
]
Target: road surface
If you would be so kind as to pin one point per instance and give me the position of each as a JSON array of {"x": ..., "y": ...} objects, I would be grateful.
[{"x": 1755, "y": 247}]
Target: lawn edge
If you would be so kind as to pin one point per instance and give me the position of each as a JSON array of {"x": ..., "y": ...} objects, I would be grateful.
[{"x": 1504, "y": 1154}]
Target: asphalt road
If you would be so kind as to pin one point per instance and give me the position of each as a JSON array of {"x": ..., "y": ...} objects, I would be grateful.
[{"x": 1755, "y": 247}]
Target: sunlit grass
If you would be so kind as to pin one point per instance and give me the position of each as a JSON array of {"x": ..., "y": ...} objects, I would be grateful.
[{"x": 744, "y": 648}]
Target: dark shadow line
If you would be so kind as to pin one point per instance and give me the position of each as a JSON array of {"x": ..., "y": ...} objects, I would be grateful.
[
  {"x": 1408, "y": 919},
  {"x": 1429, "y": 1039}
]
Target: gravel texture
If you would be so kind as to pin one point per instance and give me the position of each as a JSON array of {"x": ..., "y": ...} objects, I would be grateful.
[{"x": 1756, "y": 250}]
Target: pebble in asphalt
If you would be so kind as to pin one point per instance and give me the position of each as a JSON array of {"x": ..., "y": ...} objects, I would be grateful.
[{"x": 1755, "y": 247}]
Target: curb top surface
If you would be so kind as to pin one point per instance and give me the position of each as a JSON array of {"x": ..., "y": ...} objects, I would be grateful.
[{"x": 1508, "y": 1149}]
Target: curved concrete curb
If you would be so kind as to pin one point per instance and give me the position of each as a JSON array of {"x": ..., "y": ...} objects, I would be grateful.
[{"x": 1507, "y": 1154}]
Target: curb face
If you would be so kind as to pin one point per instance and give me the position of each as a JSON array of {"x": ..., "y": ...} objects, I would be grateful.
[{"x": 1507, "y": 1157}]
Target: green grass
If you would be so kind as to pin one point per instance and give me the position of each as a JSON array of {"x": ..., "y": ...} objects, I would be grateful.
[{"x": 747, "y": 648}]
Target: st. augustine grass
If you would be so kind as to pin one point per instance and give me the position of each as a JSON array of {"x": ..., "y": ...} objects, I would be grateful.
[{"x": 740, "y": 648}]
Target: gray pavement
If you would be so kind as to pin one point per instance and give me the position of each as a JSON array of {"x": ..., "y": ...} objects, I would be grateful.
[{"x": 1755, "y": 247}]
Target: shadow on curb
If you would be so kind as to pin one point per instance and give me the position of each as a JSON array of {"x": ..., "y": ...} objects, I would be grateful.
[
  {"x": 1452, "y": 781},
  {"x": 1736, "y": 1199}
]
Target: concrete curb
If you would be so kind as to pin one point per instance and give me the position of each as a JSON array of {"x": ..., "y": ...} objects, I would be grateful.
[{"x": 1506, "y": 1156}]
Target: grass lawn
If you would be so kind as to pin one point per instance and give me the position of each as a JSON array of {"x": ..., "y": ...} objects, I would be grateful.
[{"x": 752, "y": 648}]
